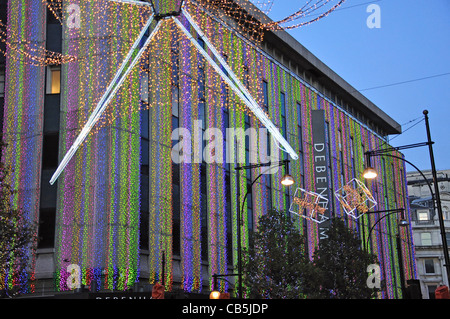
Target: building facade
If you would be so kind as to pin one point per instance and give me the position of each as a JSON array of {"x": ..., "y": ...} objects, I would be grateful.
[
  {"x": 123, "y": 212},
  {"x": 426, "y": 229}
]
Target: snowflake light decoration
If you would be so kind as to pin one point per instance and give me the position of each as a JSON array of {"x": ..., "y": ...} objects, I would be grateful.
[
  {"x": 355, "y": 198},
  {"x": 309, "y": 205}
]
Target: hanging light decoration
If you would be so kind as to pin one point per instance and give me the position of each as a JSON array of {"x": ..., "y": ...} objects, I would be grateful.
[{"x": 119, "y": 106}]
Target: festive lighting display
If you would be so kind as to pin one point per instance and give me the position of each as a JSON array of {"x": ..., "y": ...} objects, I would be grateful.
[
  {"x": 99, "y": 200},
  {"x": 309, "y": 205},
  {"x": 355, "y": 198},
  {"x": 23, "y": 122},
  {"x": 97, "y": 219}
]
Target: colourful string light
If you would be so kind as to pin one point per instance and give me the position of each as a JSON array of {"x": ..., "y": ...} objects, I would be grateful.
[{"x": 97, "y": 223}]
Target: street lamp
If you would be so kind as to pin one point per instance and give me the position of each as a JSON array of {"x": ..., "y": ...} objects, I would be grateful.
[
  {"x": 370, "y": 172},
  {"x": 287, "y": 180},
  {"x": 401, "y": 223},
  {"x": 215, "y": 294}
]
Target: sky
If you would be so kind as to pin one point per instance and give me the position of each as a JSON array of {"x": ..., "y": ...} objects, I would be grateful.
[{"x": 403, "y": 66}]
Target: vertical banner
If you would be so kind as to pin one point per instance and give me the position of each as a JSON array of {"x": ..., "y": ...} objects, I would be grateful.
[{"x": 321, "y": 161}]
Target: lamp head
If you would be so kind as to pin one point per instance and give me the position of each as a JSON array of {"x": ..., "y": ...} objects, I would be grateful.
[
  {"x": 370, "y": 173},
  {"x": 403, "y": 222},
  {"x": 214, "y": 294},
  {"x": 287, "y": 180}
]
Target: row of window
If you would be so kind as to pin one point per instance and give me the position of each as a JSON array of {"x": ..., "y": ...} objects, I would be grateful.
[
  {"x": 2, "y": 82},
  {"x": 423, "y": 215},
  {"x": 426, "y": 239}
]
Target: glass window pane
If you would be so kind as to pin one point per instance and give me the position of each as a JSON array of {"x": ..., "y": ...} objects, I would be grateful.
[
  {"x": 425, "y": 238},
  {"x": 429, "y": 266},
  {"x": 53, "y": 80},
  {"x": 2, "y": 82}
]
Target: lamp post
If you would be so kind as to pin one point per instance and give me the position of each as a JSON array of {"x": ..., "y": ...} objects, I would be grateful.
[
  {"x": 370, "y": 173},
  {"x": 401, "y": 223},
  {"x": 287, "y": 180},
  {"x": 215, "y": 294}
]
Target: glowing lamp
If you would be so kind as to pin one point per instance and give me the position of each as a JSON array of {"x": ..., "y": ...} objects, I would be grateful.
[
  {"x": 370, "y": 173},
  {"x": 287, "y": 180},
  {"x": 214, "y": 294}
]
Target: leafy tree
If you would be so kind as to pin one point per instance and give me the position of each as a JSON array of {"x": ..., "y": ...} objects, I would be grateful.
[
  {"x": 341, "y": 266},
  {"x": 17, "y": 235},
  {"x": 276, "y": 263}
]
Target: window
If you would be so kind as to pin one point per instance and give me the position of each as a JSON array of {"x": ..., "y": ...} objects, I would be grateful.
[
  {"x": 53, "y": 80},
  {"x": 429, "y": 266},
  {"x": 203, "y": 211},
  {"x": 145, "y": 142},
  {"x": 300, "y": 144},
  {"x": 446, "y": 213},
  {"x": 144, "y": 88},
  {"x": 46, "y": 227},
  {"x": 431, "y": 291},
  {"x": 176, "y": 208},
  {"x": 425, "y": 239},
  {"x": 266, "y": 96},
  {"x": 341, "y": 157},
  {"x": 352, "y": 154},
  {"x": 283, "y": 118},
  {"x": 2, "y": 82},
  {"x": 144, "y": 184},
  {"x": 50, "y": 151},
  {"x": 246, "y": 77},
  {"x": 422, "y": 215}
]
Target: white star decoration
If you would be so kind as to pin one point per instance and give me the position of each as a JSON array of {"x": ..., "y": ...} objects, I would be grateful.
[{"x": 163, "y": 11}]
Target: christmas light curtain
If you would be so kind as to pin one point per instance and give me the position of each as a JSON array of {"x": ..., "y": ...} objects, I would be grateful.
[
  {"x": 97, "y": 222},
  {"x": 23, "y": 122}
]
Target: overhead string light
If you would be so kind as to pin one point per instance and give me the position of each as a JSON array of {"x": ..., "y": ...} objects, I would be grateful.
[{"x": 245, "y": 13}]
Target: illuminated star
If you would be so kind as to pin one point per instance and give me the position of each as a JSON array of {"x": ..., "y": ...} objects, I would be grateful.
[{"x": 161, "y": 12}]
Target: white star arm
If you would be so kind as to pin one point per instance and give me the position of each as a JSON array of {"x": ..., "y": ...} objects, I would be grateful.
[
  {"x": 139, "y": 3},
  {"x": 113, "y": 87},
  {"x": 234, "y": 83}
]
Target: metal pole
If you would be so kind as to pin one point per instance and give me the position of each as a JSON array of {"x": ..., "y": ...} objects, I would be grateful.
[
  {"x": 239, "y": 232},
  {"x": 239, "y": 211},
  {"x": 438, "y": 199},
  {"x": 400, "y": 261},
  {"x": 390, "y": 212}
]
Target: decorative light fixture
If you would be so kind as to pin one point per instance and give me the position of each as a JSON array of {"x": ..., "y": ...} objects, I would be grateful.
[
  {"x": 355, "y": 198},
  {"x": 309, "y": 205}
]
